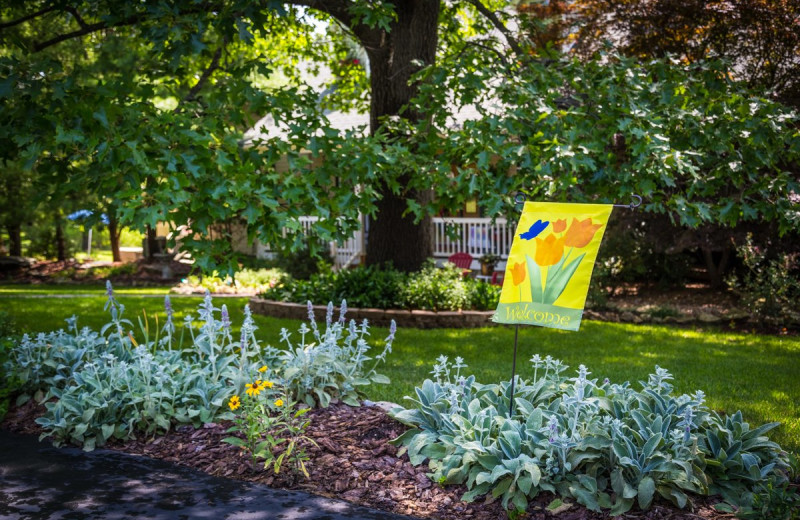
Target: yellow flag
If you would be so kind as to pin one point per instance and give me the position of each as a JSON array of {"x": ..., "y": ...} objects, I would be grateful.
[{"x": 550, "y": 264}]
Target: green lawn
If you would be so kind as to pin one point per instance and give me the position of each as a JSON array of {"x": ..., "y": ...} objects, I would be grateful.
[
  {"x": 758, "y": 374},
  {"x": 72, "y": 289}
]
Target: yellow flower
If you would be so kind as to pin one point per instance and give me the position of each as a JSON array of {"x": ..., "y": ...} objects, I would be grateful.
[
  {"x": 254, "y": 388},
  {"x": 266, "y": 384},
  {"x": 278, "y": 402},
  {"x": 235, "y": 403},
  {"x": 580, "y": 233},
  {"x": 263, "y": 369},
  {"x": 549, "y": 250}
]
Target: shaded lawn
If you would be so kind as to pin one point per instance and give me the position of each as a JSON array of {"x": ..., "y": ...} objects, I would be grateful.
[
  {"x": 759, "y": 375},
  {"x": 76, "y": 289}
]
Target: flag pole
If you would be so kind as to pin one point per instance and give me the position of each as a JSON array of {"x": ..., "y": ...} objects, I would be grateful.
[
  {"x": 519, "y": 199},
  {"x": 513, "y": 371}
]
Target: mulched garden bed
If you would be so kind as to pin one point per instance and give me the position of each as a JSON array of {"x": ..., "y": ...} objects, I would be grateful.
[
  {"x": 352, "y": 461},
  {"x": 139, "y": 273}
]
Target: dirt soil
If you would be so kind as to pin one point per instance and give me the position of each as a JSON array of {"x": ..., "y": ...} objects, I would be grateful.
[{"x": 354, "y": 461}]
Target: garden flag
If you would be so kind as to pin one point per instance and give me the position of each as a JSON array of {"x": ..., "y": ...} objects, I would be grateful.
[{"x": 550, "y": 264}]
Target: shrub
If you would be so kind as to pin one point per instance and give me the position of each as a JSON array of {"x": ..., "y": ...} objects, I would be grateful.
[
  {"x": 329, "y": 365},
  {"x": 769, "y": 287},
  {"x": 250, "y": 279},
  {"x": 104, "y": 272},
  {"x": 608, "y": 446},
  {"x": 301, "y": 264},
  {"x": 365, "y": 287},
  {"x": 482, "y": 296},
  {"x": 436, "y": 289},
  {"x": 384, "y": 287}
]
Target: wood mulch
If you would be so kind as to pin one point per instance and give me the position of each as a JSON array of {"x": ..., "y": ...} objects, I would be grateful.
[
  {"x": 73, "y": 272},
  {"x": 352, "y": 461}
]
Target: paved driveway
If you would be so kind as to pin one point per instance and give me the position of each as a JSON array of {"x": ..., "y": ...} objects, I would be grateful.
[{"x": 38, "y": 481}]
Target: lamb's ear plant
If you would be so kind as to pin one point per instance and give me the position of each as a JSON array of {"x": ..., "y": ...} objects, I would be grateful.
[
  {"x": 605, "y": 445},
  {"x": 334, "y": 364},
  {"x": 111, "y": 385}
]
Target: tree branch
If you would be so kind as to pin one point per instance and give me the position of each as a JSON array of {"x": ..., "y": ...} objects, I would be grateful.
[
  {"x": 87, "y": 29},
  {"x": 214, "y": 65},
  {"x": 25, "y": 18},
  {"x": 74, "y": 12},
  {"x": 499, "y": 25}
]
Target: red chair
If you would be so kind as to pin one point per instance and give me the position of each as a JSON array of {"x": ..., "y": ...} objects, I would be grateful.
[
  {"x": 497, "y": 278},
  {"x": 462, "y": 261}
]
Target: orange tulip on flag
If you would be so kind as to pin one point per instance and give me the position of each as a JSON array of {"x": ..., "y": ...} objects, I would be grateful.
[
  {"x": 580, "y": 233},
  {"x": 559, "y": 225},
  {"x": 518, "y": 273}
]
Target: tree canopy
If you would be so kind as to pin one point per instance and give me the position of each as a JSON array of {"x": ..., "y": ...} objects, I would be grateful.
[{"x": 149, "y": 102}]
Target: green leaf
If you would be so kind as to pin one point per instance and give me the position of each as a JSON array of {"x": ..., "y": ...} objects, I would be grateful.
[
  {"x": 475, "y": 492},
  {"x": 236, "y": 441},
  {"x": 380, "y": 379},
  {"x": 621, "y": 486},
  {"x": 651, "y": 445},
  {"x": 588, "y": 482},
  {"x": 107, "y": 431},
  {"x": 535, "y": 280},
  {"x": 621, "y": 506},
  {"x": 585, "y": 498},
  {"x": 647, "y": 488}
]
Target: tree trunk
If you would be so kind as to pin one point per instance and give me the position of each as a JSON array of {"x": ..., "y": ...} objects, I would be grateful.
[
  {"x": 413, "y": 36},
  {"x": 113, "y": 235},
  {"x": 61, "y": 242},
  {"x": 152, "y": 244},
  {"x": 14, "y": 239},
  {"x": 716, "y": 270}
]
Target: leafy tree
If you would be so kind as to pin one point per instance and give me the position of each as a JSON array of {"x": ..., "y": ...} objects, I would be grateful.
[
  {"x": 16, "y": 207},
  {"x": 700, "y": 147},
  {"x": 148, "y": 102},
  {"x": 86, "y": 78},
  {"x": 759, "y": 37}
]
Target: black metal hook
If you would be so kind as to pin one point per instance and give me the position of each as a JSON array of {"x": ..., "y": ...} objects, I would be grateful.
[{"x": 634, "y": 203}]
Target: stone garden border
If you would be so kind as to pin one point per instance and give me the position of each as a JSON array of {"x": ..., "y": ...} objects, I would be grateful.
[
  {"x": 379, "y": 317},
  {"x": 473, "y": 319}
]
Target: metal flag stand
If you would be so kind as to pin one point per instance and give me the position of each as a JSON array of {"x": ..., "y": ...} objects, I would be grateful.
[{"x": 520, "y": 198}]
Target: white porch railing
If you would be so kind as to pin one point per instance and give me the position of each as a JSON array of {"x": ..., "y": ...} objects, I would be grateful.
[
  {"x": 345, "y": 254},
  {"x": 476, "y": 236}
]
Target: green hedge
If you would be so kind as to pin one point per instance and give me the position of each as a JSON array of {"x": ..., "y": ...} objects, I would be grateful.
[{"x": 432, "y": 288}]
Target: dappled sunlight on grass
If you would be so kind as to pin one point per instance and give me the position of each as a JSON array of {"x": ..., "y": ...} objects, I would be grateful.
[
  {"x": 758, "y": 374},
  {"x": 99, "y": 289}
]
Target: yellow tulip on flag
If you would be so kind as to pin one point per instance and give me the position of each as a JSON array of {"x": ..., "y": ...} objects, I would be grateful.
[{"x": 550, "y": 264}]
